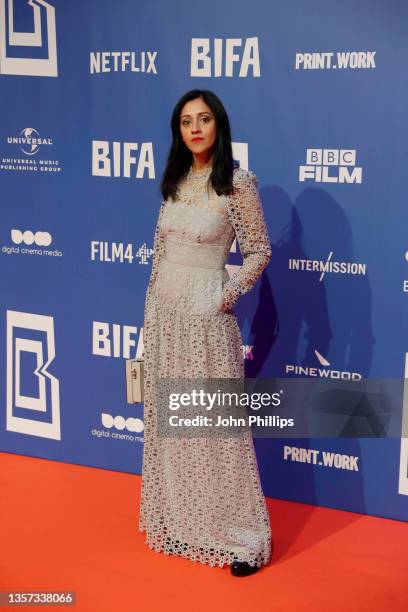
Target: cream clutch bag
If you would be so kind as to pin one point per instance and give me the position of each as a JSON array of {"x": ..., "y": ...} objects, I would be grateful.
[{"x": 135, "y": 380}]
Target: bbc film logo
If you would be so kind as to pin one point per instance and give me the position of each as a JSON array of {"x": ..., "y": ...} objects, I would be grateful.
[{"x": 331, "y": 166}]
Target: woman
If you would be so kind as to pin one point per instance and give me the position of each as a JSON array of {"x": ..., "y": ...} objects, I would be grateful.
[{"x": 202, "y": 498}]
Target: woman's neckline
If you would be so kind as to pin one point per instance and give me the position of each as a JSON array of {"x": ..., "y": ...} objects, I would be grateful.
[{"x": 201, "y": 171}]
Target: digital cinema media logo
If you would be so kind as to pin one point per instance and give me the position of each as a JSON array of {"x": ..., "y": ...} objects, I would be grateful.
[
  {"x": 225, "y": 57},
  {"x": 30, "y": 50},
  {"x": 120, "y": 423},
  {"x": 29, "y": 243},
  {"x": 33, "y": 397},
  {"x": 119, "y": 428},
  {"x": 331, "y": 166}
]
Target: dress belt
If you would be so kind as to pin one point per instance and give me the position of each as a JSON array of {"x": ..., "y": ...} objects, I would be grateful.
[{"x": 210, "y": 256}]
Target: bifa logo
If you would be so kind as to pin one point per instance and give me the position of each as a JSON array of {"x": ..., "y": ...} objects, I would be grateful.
[
  {"x": 113, "y": 340},
  {"x": 240, "y": 153},
  {"x": 117, "y": 158},
  {"x": 33, "y": 399},
  {"x": 331, "y": 166},
  {"x": 32, "y": 51},
  {"x": 226, "y": 57},
  {"x": 403, "y": 467}
]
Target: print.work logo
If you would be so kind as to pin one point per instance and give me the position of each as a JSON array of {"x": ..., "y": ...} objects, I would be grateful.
[{"x": 329, "y": 60}]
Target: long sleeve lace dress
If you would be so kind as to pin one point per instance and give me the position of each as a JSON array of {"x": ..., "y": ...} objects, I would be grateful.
[{"x": 202, "y": 498}]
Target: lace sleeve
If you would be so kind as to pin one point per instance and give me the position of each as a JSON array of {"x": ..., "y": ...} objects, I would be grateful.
[
  {"x": 158, "y": 250},
  {"x": 247, "y": 218}
]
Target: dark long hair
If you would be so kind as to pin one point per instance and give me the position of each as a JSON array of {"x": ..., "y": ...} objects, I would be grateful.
[{"x": 180, "y": 157}]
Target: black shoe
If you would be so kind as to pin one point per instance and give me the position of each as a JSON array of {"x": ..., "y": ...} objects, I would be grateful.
[
  {"x": 168, "y": 543},
  {"x": 242, "y": 568}
]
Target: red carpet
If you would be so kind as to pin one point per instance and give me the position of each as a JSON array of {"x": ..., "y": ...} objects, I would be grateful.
[{"x": 67, "y": 527}]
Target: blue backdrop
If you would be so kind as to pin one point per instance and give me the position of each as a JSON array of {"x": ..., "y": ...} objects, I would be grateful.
[{"x": 316, "y": 93}]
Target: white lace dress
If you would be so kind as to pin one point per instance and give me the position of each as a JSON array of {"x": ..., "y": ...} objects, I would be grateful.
[{"x": 201, "y": 498}]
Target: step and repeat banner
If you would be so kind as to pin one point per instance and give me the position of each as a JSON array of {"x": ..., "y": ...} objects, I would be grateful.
[{"x": 317, "y": 95}]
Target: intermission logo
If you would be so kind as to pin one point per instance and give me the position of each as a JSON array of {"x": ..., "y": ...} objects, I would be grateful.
[
  {"x": 35, "y": 147},
  {"x": 329, "y": 266},
  {"x": 321, "y": 372},
  {"x": 113, "y": 340},
  {"x": 33, "y": 398},
  {"x": 225, "y": 57},
  {"x": 331, "y": 166},
  {"x": 28, "y": 242},
  {"x": 122, "y": 61},
  {"x": 123, "y": 159},
  {"x": 113, "y": 252},
  {"x": 32, "y": 51},
  {"x": 330, "y": 60}
]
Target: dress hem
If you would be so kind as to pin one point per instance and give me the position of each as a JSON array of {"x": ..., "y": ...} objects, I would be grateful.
[{"x": 159, "y": 547}]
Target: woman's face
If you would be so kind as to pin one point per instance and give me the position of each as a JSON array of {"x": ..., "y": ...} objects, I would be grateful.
[{"x": 197, "y": 126}]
